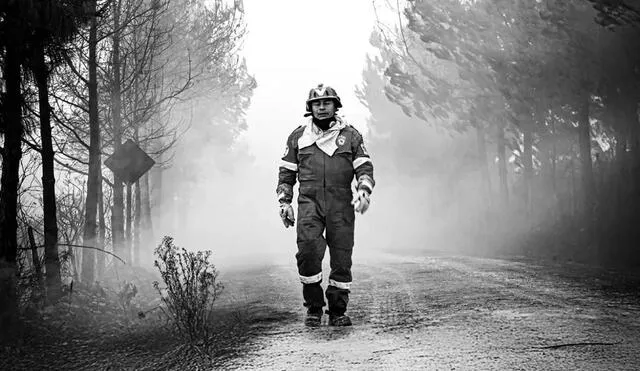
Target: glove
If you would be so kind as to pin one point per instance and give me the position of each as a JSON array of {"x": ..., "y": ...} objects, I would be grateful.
[
  {"x": 286, "y": 214},
  {"x": 361, "y": 201}
]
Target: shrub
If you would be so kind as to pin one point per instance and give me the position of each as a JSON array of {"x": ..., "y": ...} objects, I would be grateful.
[{"x": 191, "y": 288}]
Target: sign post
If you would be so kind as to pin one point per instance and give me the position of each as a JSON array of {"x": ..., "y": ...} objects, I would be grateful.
[{"x": 129, "y": 162}]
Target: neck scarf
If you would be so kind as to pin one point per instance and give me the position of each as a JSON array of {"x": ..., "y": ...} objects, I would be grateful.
[{"x": 325, "y": 140}]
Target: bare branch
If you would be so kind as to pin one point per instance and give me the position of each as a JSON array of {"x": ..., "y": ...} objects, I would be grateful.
[
  {"x": 72, "y": 130},
  {"x": 81, "y": 246},
  {"x": 74, "y": 70}
]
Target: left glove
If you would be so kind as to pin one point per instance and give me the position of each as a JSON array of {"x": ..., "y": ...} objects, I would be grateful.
[
  {"x": 361, "y": 201},
  {"x": 287, "y": 215}
]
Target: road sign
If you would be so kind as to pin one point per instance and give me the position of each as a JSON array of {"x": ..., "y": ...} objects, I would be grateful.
[{"x": 130, "y": 162}]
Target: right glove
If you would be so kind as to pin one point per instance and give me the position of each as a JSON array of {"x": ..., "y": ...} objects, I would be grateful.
[
  {"x": 287, "y": 215},
  {"x": 361, "y": 201}
]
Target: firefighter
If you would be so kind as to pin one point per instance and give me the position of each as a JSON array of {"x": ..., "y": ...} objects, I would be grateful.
[{"x": 325, "y": 155}]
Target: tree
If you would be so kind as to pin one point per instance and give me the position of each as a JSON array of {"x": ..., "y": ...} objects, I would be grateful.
[
  {"x": 13, "y": 33},
  {"x": 94, "y": 178},
  {"x": 179, "y": 52},
  {"x": 547, "y": 79},
  {"x": 166, "y": 58},
  {"x": 54, "y": 23},
  {"x": 30, "y": 30}
]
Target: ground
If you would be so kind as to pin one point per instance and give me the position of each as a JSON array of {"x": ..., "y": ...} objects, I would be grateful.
[{"x": 434, "y": 311}]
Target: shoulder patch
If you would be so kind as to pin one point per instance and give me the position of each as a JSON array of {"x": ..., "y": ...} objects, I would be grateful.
[
  {"x": 292, "y": 140},
  {"x": 364, "y": 150},
  {"x": 297, "y": 132},
  {"x": 354, "y": 132}
]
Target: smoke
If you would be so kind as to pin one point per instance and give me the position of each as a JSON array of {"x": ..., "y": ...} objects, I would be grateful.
[{"x": 428, "y": 184}]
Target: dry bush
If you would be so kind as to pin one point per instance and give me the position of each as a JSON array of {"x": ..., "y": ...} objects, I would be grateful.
[{"x": 190, "y": 290}]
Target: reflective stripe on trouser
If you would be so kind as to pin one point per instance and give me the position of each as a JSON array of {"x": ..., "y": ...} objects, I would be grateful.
[
  {"x": 329, "y": 209},
  {"x": 311, "y": 279}
]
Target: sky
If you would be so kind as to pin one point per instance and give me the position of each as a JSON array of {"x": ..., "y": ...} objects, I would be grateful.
[{"x": 293, "y": 45}]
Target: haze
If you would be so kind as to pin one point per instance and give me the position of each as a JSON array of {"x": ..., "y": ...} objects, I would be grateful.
[
  {"x": 291, "y": 46},
  {"x": 428, "y": 189}
]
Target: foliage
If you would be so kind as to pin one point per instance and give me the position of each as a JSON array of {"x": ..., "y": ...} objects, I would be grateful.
[
  {"x": 191, "y": 288},
  {"x": 176, "y": 57},
  {"x": 544, "y": 81}
]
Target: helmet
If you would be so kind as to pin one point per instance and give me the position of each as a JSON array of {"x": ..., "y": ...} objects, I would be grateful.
[{"x": 323, "y": 92}]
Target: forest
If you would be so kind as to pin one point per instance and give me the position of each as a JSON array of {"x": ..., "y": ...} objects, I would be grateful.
[
  {"x": 519, "y": 120},
  {"x": 80, "y": 79},
  {"x": 516, "y": 122}
]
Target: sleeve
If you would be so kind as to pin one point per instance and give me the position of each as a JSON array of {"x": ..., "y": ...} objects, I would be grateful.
[
  {"x": 288, "y": 170},
  {"x": 362, "y": 164}
]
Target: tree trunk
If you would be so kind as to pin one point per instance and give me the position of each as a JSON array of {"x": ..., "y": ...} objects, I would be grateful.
[
  {"x": 588, "y": 186},
  {"x": 527, "y": 162},
  {"x": 586, "y": 165},
  {"x": 134, "y": 235},
  {"x": 157, "y": 198},
  {"x": 11, "y": 154},
  {"x": 145, "y": 217},
  {"x": 553, "y": 171},
  {"x": 73, "y": 261},
  {"x": 117, "y": 216},
  {"x": 8, "y": 300},
  {"x": 35, "y": 257},
  {"x": 621, "y": 171},
  {"x": 95, "y": 172},
  {"x": 502, "y": 164},
  {"x": 129, "y": 235},
  {"x": 484, "y": 166},
  {"x": 136, "y": 225},
  {"x": 100, "y": 261},
  {"x": 37, "y": 267},
  {"x": 554, "y": 162},
  {"x": 629, "y": 232},
  {"x": 52, "y": 258},
  {"x": 574, "y": 198},
  {"x": 11, "y": 157}
]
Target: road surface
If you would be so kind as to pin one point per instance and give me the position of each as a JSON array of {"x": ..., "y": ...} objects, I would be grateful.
[{"x": 445, "y": 313}]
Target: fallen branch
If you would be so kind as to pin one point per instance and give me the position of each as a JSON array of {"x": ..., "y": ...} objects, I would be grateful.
[{"x": 82, "y": 246}]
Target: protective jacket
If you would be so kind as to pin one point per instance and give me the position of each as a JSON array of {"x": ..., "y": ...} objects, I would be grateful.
[{"x": 325, "y": 164}]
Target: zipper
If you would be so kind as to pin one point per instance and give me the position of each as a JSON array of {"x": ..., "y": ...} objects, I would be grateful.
[{"x": 324, "y": 181}]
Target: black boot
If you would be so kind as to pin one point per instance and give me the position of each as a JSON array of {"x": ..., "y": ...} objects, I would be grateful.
[
  {"x": 339, "y": 319},
  {"x": 314, "y": 317}
]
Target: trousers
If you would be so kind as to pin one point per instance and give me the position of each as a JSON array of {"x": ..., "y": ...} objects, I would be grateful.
[{"x": 325, "y": 210}]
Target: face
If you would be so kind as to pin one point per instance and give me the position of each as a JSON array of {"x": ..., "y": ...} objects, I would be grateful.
[{"x": 323, "y": 108}]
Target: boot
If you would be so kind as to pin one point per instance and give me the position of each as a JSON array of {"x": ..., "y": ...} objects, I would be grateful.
[
  {"x": 339, "y": 320},
  {"x": 313, "y": 318}
]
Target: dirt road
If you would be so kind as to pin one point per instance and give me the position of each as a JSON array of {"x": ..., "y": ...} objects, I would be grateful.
[{"x": 447, "y": 313}]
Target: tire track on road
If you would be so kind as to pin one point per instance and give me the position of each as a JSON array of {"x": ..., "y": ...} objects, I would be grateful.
[
  {"x": 393, "y": 301},
  {"x": 443, "y": 312}
]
